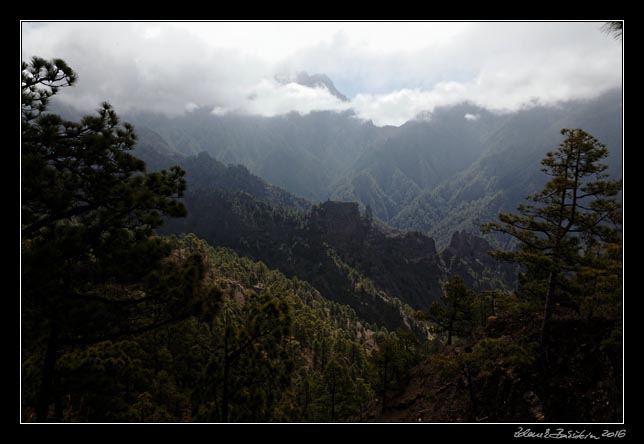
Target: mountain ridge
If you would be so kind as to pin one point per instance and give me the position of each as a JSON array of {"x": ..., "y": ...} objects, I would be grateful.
[
  {"x": 317, "y": 81},
  {"x": 344, "y": 252},
  {"x": 436, "y": 174},
  {"x": 429, "y": 174}
]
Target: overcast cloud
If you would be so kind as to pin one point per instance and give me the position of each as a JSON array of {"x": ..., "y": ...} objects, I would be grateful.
[{"x": 390, "y": 71}]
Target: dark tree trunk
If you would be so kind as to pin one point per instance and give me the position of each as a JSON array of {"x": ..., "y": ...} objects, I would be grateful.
[
  {"x": 547, "y": 310},
  {"x": 470, "y": 387},
  {"x": 58, "y": 407},
  {"x": 307, "y": 396},
  {"x": 384, "y": 383},
  {"x": 224, "y": 396},
  {"x": 45, "y": 394},
  {"x": 333, "y": 402}
]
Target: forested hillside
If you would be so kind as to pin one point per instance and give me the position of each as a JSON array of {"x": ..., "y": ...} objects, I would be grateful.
[
  {"x": 505, "y": 174},
  {"x": 160, "y": 284},
  {"x": 127, "y": 326},
  {"x": 347, "y": 255},
  {"x": 263, "y": 348}
]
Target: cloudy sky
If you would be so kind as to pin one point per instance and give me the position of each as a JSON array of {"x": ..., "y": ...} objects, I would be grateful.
[{"x": 389, "y": 71}]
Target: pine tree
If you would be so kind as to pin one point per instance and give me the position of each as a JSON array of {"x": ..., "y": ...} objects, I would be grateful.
[
  {"x": 453, "y": 314},
  {"x": 249, "y": 364},
  {"x": 92, "y": 269},
  {"x": 395, "y": 356},
  {"x": 577, "y": 210},
  {"x": 614, "y": 28}
]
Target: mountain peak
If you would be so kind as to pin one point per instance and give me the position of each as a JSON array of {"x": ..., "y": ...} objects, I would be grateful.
[{"x": 314, "y": 81}]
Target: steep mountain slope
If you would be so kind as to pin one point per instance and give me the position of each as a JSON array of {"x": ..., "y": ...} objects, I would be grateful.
[
  {"x": 467, "y": 256},
  {"x": 228, "y": 206},
  {"x": 322, "y": 334},
  {"x": 174, "y": 374},
  {"x": 416, "y": 157},
  {"x": 303, "y": 154},
  {"x": 447, "y": 171},
  {"x": 507, "y": 377},
  {"x": 207, "y": 174},
  {"x": 507, "y": 171},
  {"x": 346, "y": 255}
]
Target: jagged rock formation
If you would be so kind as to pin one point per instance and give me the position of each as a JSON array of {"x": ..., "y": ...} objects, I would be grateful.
[
  {"x": 404, "y": 265},
  {"x": 343, "y": 252},
  {"x": 318, "y": 80},
  {"x": 468, "y": 256}
]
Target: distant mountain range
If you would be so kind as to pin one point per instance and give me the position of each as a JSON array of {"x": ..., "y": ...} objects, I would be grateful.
[{"x": 449, "y": 170}]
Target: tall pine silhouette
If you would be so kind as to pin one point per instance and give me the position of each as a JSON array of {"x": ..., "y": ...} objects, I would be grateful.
[
  {"x": 92, "y": 269},
  {"x": 576, "y": 215}
]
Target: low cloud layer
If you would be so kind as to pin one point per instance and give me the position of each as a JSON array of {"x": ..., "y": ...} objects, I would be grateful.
[{"x": 391, "y": 72}]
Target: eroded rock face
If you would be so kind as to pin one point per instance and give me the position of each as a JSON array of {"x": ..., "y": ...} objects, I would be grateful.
[
  {"x": 333, "y": 245},
  {"x": 405, "y": 265},
  {"x": 468, "y": 256},
  {"x": 337, "y": 220}
]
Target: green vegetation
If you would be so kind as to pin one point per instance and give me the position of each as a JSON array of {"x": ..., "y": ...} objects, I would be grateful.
[
  {"x": 123, "y": 325},
  {"x": 91, "y": 269},
  {"x": 510, "y": 356},
  {"x": 257, "y": 306},
  {"x": 575, "y": 222},
  {"x": 453, "y": 315},
  {"x": 274, "y": 350}
]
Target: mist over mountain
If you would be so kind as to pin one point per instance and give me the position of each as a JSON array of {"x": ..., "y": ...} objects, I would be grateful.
[
  {"x": 323, "y": 222},
  {"x": 449, "y": 170},
  {"x": 313, "y": 81}
]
